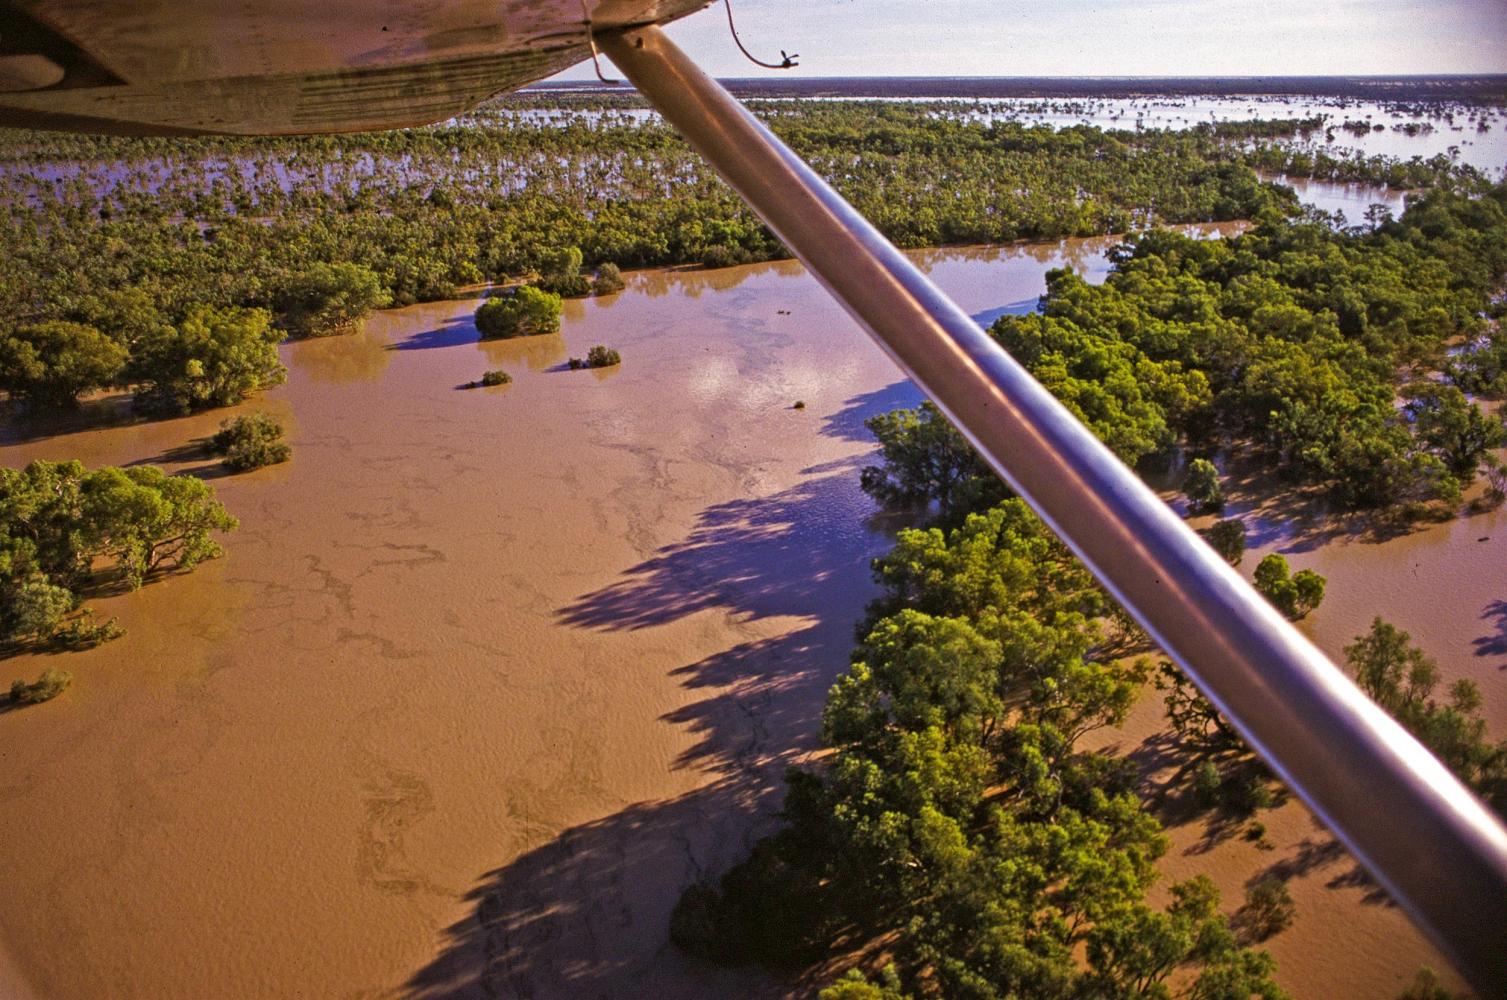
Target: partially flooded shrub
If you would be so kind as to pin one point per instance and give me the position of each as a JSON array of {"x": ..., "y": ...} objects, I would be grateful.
[
  {"x": 608, "y": 280},
  {"x": 251, "y": 441},
  {"x": 597, "y": 357},
  {"x": 52, "y": 683},
  {"x": 521, "y": 312},
  {"x": 498, "y": 377},
  {"x": 84, "y": 632}
]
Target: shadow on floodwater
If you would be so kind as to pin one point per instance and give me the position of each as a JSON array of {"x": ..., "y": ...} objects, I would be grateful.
[
  {"x": 780, "y": 555},
  {"x": 585, "y": 912},
  {"x": 1494, "y": 643},
  {"x": 1024, "y": 307},
  {"x": 21, "y": 425},
  {"x": 847, "y": 423},
  {"x": 196, "y": 450},
  {"x": 452, "y": 332}
]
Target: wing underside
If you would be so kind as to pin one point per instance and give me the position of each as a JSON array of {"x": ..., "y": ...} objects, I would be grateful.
[{"x": 278, "y": 67}]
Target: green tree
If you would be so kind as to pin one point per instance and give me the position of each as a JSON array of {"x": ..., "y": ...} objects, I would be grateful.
[
  {"x": 854, "y": 985},
  {"x": 925, "y": 460},
  {"x": 35, "y": 608},
  {"x": 560, "y": 273},
  {"x": 1296, "y": 595},
  {"x": 328, "y": 298},
  {"x": 1454, "y": 427},
  {"x": 213, "y": 357},
  {"x": 1227, "y": 537},
  {"x": 52, "y": 363},
  {"x": 522, "y": 312},
  {"x": 1202, "y": 486}
]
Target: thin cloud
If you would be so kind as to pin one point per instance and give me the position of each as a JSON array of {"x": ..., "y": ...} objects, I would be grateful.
[{"x": 1105, "y": 37}]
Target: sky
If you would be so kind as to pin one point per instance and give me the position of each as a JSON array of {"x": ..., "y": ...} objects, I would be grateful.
[{"x": 1100, "y": 37}]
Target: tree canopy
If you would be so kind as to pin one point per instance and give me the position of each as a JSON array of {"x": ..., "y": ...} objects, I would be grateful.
[{"x": 61, "y": 525}]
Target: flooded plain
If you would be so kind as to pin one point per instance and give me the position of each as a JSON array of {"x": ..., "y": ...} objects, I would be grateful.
[{"x": 488, "y": 676}]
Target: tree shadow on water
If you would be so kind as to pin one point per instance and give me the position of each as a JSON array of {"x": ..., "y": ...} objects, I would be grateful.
[
  {"x": 587, "y": 913},
  {"x": 451, "y": 332},
  {"x": 847, "y": 423},
  {"x": 1493, "y": 643},
  {"x": 799, "y": 552},
  {"x": 1023, "y": 307},
  {"x": 22, "y": 425}
]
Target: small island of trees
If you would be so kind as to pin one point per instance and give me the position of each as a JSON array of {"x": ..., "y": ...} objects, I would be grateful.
[
  {"x": 525, "y": 311},
  {"x": 599, "y": 356}
]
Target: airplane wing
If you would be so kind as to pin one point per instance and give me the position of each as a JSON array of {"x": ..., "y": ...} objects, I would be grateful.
[{"x": 286, "y": 67}]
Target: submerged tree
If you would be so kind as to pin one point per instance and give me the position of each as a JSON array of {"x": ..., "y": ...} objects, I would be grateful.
[
  {"x": 1401, "y": 678},
  {"x": 61, "y": 524},
  {"x": 925, "y": 460}
]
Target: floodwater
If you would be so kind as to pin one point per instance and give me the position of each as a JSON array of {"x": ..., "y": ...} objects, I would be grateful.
[
  {"x": 1354, "y": 200},
  {"x": 488, "y": 676},
  {"x": 1468, "y": 134},
  {"x": 1472, "y": 134}
]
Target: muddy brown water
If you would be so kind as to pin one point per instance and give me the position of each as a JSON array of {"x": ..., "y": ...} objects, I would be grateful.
[{"x": 489, "y": 675}]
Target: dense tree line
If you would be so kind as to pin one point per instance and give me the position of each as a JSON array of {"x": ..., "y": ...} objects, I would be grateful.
[
  {"x": 111, "y": 241},
  {"x": 319, "y": 229},
  {"x": 1314, "y": 350},
  {"x": 211, "y": 356}
]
